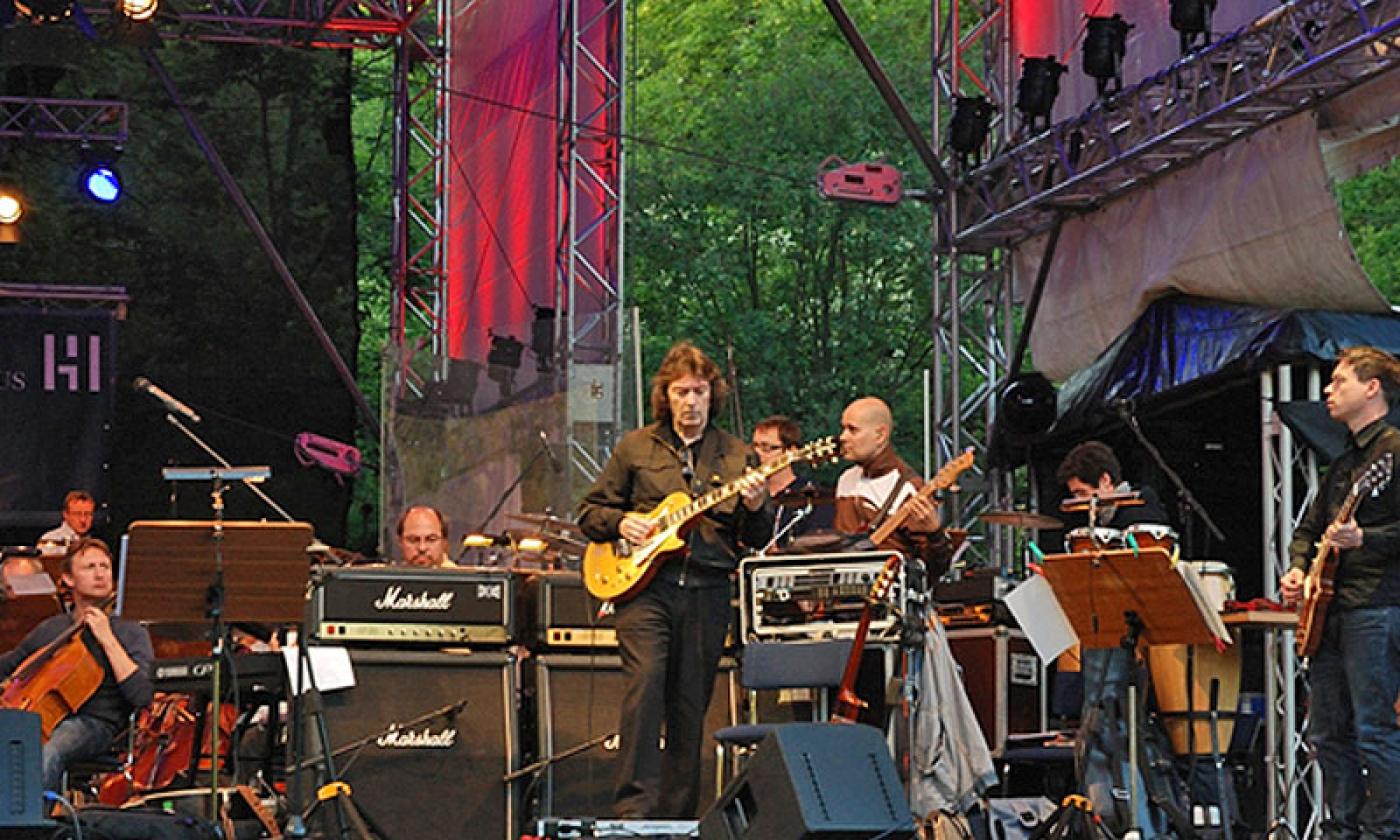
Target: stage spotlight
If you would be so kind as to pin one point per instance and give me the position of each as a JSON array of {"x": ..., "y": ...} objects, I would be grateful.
[
  {"x": 11, "y": 211},
  {"x": 138, "y": 9},
  {"x": 968, "y": 128},
  {"x": 502, "y": 361},
  {"x": 1027, "y": 406},
  {"x": 1037, "y": 89},
  {"x": 102, "y": 184},
  {"x": 1192, "y": 19},
  {"x": 1105, "y": 44}
]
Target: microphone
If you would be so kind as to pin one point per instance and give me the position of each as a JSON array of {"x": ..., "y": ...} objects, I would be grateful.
[
  {"x": 171, "y": 404},
  {"x": 549, "y": 451}
]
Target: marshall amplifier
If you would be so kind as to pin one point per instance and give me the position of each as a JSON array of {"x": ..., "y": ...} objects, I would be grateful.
[
  {"x": 813, "y": 596},
  {"x": 395, "y": 605},
  {"x": 561, "y": 613}
]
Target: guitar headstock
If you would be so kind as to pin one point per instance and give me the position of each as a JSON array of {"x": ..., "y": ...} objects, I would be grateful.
[
  {"x": 880, "y": 587},
  {"x": 1377, "y": 476},
  {"x": 818, "y": 451},
  {"x": 948, "y": 474}
]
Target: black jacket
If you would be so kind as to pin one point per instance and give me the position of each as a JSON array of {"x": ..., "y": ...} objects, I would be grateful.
[{"x": 651, "y": 463}]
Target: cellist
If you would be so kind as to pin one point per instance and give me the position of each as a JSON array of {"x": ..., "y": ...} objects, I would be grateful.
[{"x": 121, "y": 647}]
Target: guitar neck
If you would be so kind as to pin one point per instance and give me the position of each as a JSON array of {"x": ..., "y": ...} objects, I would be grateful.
[{"x": 751, "y": 478}]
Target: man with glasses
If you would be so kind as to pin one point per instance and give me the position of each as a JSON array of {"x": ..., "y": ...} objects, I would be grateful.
[
  {"x": 423, "y": 538},
  {"x": 802, "y": 505}
]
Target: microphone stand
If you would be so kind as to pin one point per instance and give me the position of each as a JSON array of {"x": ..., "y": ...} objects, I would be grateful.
[
  {"x": 1188, "y": 501},
  {"x": 209, "y": 450},
  {"x": 785, "y": 530},
  {"x": 505, "y": 494}
]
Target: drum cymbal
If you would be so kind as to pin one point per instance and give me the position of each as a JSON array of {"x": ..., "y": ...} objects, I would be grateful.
[
  {"x": 1020, "y": 519},
  {"x": 546, "y": 522},
  {"x": 802, "y": 497}
]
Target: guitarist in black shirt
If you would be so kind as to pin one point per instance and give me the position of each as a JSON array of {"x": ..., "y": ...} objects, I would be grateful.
[
  {"x": 1354, "y": 676},
  {"x": 670, "y": 634}
]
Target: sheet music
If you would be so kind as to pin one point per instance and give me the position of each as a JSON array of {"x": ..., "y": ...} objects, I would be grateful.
[{"x": 1196, "y": 587}]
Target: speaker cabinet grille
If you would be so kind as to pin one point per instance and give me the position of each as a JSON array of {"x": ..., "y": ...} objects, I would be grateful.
[
  {"x": 440, "y": 778},
  {"x": 577, "y": 700}
]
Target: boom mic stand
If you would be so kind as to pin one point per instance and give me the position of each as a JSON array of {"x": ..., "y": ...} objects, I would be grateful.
[
  {"x": 519, "y": 477},
  {"x": 1185, "y": 498}
]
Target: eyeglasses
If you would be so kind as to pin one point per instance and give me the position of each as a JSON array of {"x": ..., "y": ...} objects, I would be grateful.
[
  {"x": 768, "y": 447},
  {"x": 429, "y": 540}
]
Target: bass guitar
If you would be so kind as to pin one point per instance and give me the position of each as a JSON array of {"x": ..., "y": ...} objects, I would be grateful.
[
  {"x": 616, "y": 570},
  {"x": 848, "y": 703},
  {"x": 1317, "y": 585}
]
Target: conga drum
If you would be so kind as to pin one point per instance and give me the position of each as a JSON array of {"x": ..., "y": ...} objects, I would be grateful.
[
  {"x": 1147, "y": 535},
  {"x": 1093, "y": 539},
  {"x": 1182, "y": 674}
]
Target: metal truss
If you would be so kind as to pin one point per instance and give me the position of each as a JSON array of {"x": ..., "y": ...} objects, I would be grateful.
[
  {"x": 589, "y": 252},
  {"x": 1292, "y": 60},
  {"x": 1294, "y": 777},
  {"x": 972, "y": 296},
  {"x": 368, "y": 24},
  {"x": 73, "y": 120}
]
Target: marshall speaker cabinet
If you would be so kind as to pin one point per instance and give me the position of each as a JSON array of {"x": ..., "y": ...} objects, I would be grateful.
[
  {"x": 577, "y": 698},
  {"x": 442, "y": 776},
  {"x": 399, "y": 605}
]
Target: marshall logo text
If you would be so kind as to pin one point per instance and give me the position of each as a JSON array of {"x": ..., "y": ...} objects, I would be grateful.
[
  {"x": 394, "y": 599},
  {"x": 415, "y": 739}
]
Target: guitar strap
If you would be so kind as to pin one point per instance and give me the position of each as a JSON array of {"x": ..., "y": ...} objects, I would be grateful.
[{"x": 883, "y": 513}]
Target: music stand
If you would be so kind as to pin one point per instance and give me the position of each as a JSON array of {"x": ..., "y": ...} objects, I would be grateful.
[
  {"x": 170, "y": 565},
  {"x": 1114, "y": 597},
  {"x": 216, "y": 571}
]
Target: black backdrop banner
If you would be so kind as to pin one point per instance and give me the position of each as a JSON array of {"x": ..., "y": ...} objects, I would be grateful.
[{"x": 57, "y": 375}]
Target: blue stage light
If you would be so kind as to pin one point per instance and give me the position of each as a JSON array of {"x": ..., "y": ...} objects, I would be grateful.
[{"x": 102, "y": 183}]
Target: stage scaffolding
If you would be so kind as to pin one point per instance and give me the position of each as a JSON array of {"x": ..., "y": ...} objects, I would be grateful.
[{"x": 1294, "y": 59}]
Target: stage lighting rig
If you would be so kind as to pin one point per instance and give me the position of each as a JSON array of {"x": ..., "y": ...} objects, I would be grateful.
[
  {"x": 1191, "y": 18},
  {"x": 968, "y": 128},
  {"x": 1037, "y": 89},
  {"x": 1105, "y": 44}
]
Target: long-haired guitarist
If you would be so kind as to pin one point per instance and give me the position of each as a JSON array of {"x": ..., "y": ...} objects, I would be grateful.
[
  {"x": 121, "y": 647},
  {"x": 1355, "y": 672},
  {"x": 670, "y": 634}
]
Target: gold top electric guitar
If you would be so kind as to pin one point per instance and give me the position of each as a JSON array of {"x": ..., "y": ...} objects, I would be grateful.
[{"x": 616, "y": 570}]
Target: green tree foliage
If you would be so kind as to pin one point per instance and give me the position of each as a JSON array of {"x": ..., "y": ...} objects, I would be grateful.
[
  {"x": 1371, "y": 213},
  {"x": 728, "y": 243}
]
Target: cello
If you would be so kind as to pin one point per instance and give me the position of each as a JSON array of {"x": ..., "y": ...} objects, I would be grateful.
[{"x": 57, "y": 679}]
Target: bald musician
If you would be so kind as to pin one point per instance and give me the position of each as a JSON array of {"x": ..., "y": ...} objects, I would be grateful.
[
  {"x": 879, "y": 483},
  {"x": 422, "y": 533},
  {"x": 122, "y": 648}
]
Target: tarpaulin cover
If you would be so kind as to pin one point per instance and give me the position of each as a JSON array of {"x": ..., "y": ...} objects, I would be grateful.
[{"x": 1182, "y": 347}]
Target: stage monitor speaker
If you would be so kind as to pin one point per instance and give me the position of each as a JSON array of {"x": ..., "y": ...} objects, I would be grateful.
[
  {"x": 23, "y": 805},
  {"x": 438, "y": 778},
  {"x": 577, "y": 699},
  {"x": 814, "y": 781}
]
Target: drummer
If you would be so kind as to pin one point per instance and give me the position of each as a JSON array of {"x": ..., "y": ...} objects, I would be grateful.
[{"x": 1091, "y": 469}]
